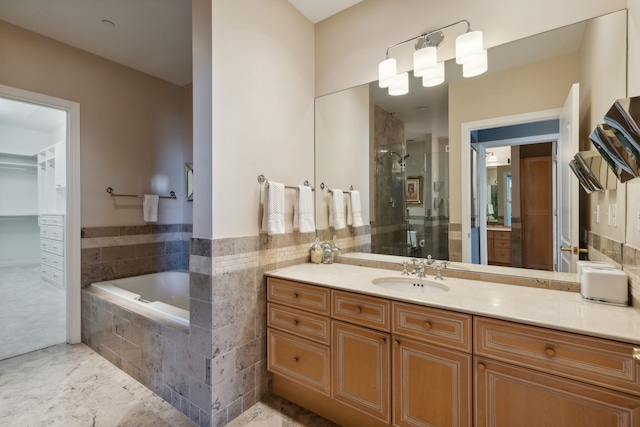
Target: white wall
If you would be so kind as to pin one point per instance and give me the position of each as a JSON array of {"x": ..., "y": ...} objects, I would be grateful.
[
  {"x": 342, "y": 141},
  {"x": 262, "y": 111}
]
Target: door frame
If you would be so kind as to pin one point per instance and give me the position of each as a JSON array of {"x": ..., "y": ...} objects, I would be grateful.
[
  {"x": 72, "y": 216},
  {"x": 465, "y": 157}
]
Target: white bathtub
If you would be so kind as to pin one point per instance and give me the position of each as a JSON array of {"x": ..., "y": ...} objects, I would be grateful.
[{"x": 166, "y": 293}]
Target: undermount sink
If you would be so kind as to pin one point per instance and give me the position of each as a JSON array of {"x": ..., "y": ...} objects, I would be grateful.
[{"x": 409, "y": 284}]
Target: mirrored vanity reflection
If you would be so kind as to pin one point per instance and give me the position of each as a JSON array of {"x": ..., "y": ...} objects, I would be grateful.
[{"x": 403, "y": 152}]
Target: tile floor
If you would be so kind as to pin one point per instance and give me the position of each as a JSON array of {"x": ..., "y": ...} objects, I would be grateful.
[
  {"x": 32, "y": 311},
  {"x": 71, "y": 385}
]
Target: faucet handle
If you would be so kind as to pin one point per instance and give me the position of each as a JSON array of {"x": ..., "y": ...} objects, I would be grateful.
[
  {"x": 413, "y": 260},
  {"x": 405, "y": 272},
  {"x": 445, "y": 263},
  {"x": 430, "y": 260}
]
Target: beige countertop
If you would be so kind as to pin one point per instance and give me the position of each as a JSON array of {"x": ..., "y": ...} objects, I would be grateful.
[{"x": 560, "y": 310}]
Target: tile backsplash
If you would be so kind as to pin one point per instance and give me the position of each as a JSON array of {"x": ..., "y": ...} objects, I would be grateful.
[{"x": 115, "y": 252}]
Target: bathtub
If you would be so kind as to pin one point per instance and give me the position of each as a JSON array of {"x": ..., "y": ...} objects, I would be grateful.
[{"x": 165, "y": 293}]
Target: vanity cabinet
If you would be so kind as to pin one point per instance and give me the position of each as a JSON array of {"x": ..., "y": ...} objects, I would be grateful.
[
  {"x": 432, "y": 367},
  {"x": 499, "y": 247},
  {"x": 363, "y": 360},
  {"x": 532, "y": 376}
]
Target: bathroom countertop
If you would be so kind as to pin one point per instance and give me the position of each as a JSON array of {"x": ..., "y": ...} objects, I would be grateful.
[{"x": 560, "y": 310}]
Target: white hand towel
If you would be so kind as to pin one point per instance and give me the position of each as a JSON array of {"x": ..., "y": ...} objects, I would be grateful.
[
  {"x": 150, "y": 207},
  {"x": 355, "y": 211},
  {"x": 303, "y": 211},
  {"x": 273, "y": 216},
  {"x": 336, "y": 209}
]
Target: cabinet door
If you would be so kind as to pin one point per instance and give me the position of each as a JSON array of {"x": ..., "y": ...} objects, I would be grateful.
[
  {"x": 361, "y": 369},
  {"x": 431, "y": 385},
  {"x": 508, "y": 396}
]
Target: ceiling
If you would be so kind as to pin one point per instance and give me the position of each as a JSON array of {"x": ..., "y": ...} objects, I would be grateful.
[{"x": 152, "y": 36}]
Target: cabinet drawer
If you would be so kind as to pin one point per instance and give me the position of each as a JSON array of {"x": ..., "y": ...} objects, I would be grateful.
[
  {"x": 52, "y": 260},
  {"x": 55, "y": 233},
  {"x": 497, "y": 244},
  {"x": 593, "y": 360},
  {"x": 502, "y": 235},
  {"x": 297, "y": 322},
  {"x": 51, "y": 220},
  {"x": 52, "y": 275},
  {"x": 298, "y": 295},
  {"x": 299, "y": 360},
  {"x": 432, "y": 325},
  {"x": 502, "y": 254},
  {"x": 361, "y": 310},
  {"x": 52, "y": 246}
]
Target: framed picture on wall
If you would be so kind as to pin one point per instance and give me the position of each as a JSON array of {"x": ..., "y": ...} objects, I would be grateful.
[{"x": 413, "y": 190}]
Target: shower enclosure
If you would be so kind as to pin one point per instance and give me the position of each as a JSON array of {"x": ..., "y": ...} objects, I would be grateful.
[{"x": 410, "y": 186}]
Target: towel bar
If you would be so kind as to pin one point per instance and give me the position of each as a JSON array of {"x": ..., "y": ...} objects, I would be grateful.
[
  {"x": 172, "y": 194},
  {"x": 262, "y": 179}
]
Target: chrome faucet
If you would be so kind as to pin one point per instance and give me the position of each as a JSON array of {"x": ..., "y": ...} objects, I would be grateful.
[
  {"x": 405, "y": 272},
  {"x": 439, "y": 267},
  {"x": 430, "y": 260},
  {"x": 419, "y": 271}
]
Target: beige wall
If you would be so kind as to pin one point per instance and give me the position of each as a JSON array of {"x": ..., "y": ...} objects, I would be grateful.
[
  {"x": 350, "y": 45},
  {"x": 603, "y": 61},
  {"x": 131, "y": 126},
  {"x": 263, "y": 94},
  {"x": 342, "y": 142},
  {"x": 633, "y": 89},
  {"x": 536, "y": 87}
]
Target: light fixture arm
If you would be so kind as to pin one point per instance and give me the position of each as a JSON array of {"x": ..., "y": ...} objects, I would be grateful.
[{"x": 427, "y": 34}]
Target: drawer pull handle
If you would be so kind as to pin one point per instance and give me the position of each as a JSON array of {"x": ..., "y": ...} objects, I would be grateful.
[
  {"x": 550, "y": 352},
  {"x": 396, "y": 343},
  {"x": 481, "y": 367},
  {"x": 427, "y": 325},
  {"x": 296, "y": 322},
  {"x": 358, "y": 309},
  {"x": 636, "y": 354}
]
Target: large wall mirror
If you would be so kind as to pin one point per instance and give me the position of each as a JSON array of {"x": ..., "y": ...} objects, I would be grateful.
[{"x": 390, "y": 147}]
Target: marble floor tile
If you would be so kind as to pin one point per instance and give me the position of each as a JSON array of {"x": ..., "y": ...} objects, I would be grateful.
[
  {"x": 71, "y": 385},
  {"x": 32, "y": 311},
  {"x": 274, "y": 411}
]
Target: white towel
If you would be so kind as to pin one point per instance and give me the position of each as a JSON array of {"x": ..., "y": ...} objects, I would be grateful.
[
  {"x": 303, "y": 211},
  {"x": 150, "y": 207},
  {"x": 336, "y": 210},
  {"x": 354, "y": 216},
  {"x": 273, "y": 216}
]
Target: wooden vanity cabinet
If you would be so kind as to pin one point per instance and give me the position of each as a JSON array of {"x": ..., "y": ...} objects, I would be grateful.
[
  {"x": 431, "y": 383},
  {"x": 532, "y": 376}
]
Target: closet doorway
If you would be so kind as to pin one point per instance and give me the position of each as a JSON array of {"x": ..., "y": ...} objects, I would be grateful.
[{"x": 39, "y": 213}]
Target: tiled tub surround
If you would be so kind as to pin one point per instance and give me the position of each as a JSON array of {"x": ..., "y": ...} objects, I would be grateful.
[{"x": 115, "y": 252}]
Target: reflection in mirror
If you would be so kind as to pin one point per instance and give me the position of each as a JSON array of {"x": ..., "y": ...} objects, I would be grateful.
[
  {"x": 188, "y": 179},
  {"x": 418, "y": 134}
]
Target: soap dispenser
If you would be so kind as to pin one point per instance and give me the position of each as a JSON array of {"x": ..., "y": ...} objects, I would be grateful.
[
  {"x": 316, "y": 252},
  {"x": 327, "y": 253},
  {"x": 335, "y": 249}
]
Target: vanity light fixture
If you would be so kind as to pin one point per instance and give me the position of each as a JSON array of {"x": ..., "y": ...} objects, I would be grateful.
[
  {"x": 469, "y": 52},
  {"x": 491, "y": 158}
]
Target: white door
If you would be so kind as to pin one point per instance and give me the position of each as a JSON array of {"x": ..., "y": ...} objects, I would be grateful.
[{"x": 568, "y": 239}]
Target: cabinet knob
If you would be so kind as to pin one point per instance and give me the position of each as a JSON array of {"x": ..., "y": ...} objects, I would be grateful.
[
  {"x": 383, "y": 340},
  {"x": 481, "y": 367},
  {"x": 636, "y": 354},
  {"x": 358, "y": 309},
  {"x": 550, "y": 352},
  {"x": 295, "y": 295},
  {"x": 427, "y": 325},
  {"x": 296, "y": 359},
  {"x": 296, "y": 322},
  {"x": 396, "y": 343}
]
